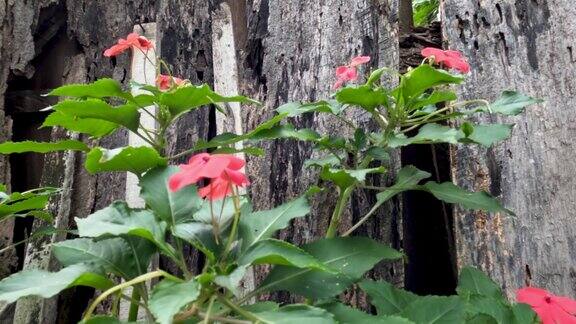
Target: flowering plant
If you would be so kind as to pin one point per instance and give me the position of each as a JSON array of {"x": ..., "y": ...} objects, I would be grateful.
[{"x": 115, "y": 245}]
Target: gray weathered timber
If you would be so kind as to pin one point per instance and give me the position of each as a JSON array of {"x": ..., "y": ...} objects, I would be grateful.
[
  {"x": 529, "y": 46},
  {"x": 51, "y": 43},
  {"x": 291, "y": 52},
  {"x": 185, "y": 30}
]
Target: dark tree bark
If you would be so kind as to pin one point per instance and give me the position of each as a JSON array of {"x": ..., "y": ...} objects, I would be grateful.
[
  {"x": 45, "y": 44},
  {"x": 291, "y": 52},
  {"x": 529, "y": 46}
]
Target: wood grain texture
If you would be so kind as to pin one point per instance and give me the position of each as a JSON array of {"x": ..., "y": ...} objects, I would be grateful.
[
  {"x": 529, "y": 46},
  {"x": 291, "y": 52}
]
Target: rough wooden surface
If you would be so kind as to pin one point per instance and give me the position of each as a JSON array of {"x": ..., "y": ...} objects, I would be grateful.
[
  {"x": 291, "y": 52},
  {"x": 49, "y": 43},
  {"x": 529, "y": 46}
]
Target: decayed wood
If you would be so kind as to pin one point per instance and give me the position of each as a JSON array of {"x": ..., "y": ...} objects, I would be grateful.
[
  {"x": 74, "y": 56},
  {"x": 525, "y": 45},
  {"x": 185, "y": 30},
  {"x": 291, "y": 52}
]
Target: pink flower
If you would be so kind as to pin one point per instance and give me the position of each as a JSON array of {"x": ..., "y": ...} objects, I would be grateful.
[
  {"x": 550, "y": 308},
  {"x": 450, "y": 59},
  {"x": 132, "y": 40},
  {"x": 347, "y": 73},
  {"x": 165, "y": 82},
  {"x": 222, "y": 169}
]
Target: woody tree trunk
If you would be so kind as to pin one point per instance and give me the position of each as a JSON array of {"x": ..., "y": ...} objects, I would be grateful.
[
  {"x": 529, "y": 46},
  {"x": 291, "y": 52}
]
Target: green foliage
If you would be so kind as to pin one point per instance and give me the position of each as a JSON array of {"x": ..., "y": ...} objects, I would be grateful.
[
  {"x": 119, "y": 241},
  {"x": 47, "y": 284},
  {"x": 262, "y": 225},
  {"x": 118, "y": 219},
  {"x": 42, "y": 147},
  {"x": 349, "y": 257},
  {"x": 28, "y": 203},
  {"x": 169, "y": 297},
  {"x": 171, "y": 207},
  {"x": 132, "y": 159},
  {"x": 425, "y": 11}
]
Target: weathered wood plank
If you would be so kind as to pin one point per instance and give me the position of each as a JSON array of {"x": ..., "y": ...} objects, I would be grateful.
[
  {"x": 526, "y": 45},
  {"x": 291, "y": 52}
]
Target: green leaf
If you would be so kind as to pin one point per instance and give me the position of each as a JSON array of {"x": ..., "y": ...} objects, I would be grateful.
[
  {"x": 232, "y": 280},
  {"x": 407, "y": 179},
  {"x": 474, "y": 282},
  {"x": 125, "y": 115},
  {"x": 348, "y": 315},
  {"x": 524, "y": 314},
  {"x": 511, "y": 103},
  {"x": 434, "y": 98},
  {"x": 169, "y": 297},
  {"x": 453, "y": 194},
  {"x": 496, "y": 309},
  {"x": 435, "y": 310},
  {"x": 29, "y": 203},
  {"x": 363, "y": 96},
  {"x": 261, "y": 307},
  {"x": 171, "y": 207},
  {"x": 427, "y": 134},
  {"x": 425, "y": 11},
  {"x": 47, "y": 284},
  {"x": 262, "y": 225},
  {"x": 93, "y": 127},
  {"x": 187, "y": 98},
  {"x": 118, "y": 219},
  {"x": 327, "y": 161},
  {"x": 415, "y": 82},
  {"x": 132, "y": 159},
  {"x": 200, "y": 235},
  {"x": 42, "y": 147},
  {"x": 272, "y": 251},
  {"x": 487, "y": 135},
  {"x": 104, "y": 320},
  {"x": 99, "y": 89},
  {"x": 295, "y": 109},
  {"x": 286, "y": 131},
  {"x": 296, "y": 314},
  {"x": 351, "y": 257},
  {"x": 346, "y": 178},
  {"x": 114, "y": 255},
  {"x": 387, "y": 299}
]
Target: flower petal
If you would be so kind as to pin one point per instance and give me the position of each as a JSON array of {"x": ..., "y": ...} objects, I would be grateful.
[
  {"x": 115, "y": 50},
  {"x": 359, "y": 60},
  {"x": 560, "y": 316},
  {"x": 341, "y": 70},
  {"x": 216, "y": 189},
  {"x": 532, "y": 296},
  {"x": 234, "y": 163},
  {"x": 436, "y": 52},
  {"x": 568, "y": 304},
  {"x": 236, "y": 177}
]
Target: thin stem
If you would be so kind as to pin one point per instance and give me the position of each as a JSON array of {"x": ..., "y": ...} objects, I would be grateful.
[
  {"x": 209, "y": 311},
  {"x": 180, "y": 248},
  {"x": 134, "y": 304},
  {"x": 232, "y": 237},
  {"x": 142, "y": 278},
  {"x": 335, "y": 220},
  {"x": 223, "y": 319},
  {"x": 428, "y": 116},
  {"x": 192, "y": 150},
  {"x": 362, "y": 220},
  {"x": 145, "y": 139},
  {"x": 239, "y": 310}
]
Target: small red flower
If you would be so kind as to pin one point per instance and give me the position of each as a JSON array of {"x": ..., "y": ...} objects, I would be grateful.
[
  {"x": 347, "y": 73},
  {"x": 450, "y": 59},
  {"x": 550, "y": 308},
  {"x": 222, "y": 169},
  {"x": 165, "y": 82},
  {"x": 132, "y": 40}
]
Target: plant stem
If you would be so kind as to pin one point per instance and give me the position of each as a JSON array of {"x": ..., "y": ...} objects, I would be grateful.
[
  {"x": 232, "y": 237},
  {"x": 192, "y": 150},
  {"x": 223, "y": 319},
  {"x": 362, "y": 220},
  {"x": 134, "y": 304},
  {"x": 239, "y": 310},
  {"x": 209, "y": 310},
  {"x": 335, "y": 220},
  {"x": 142, "y": 278}
]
